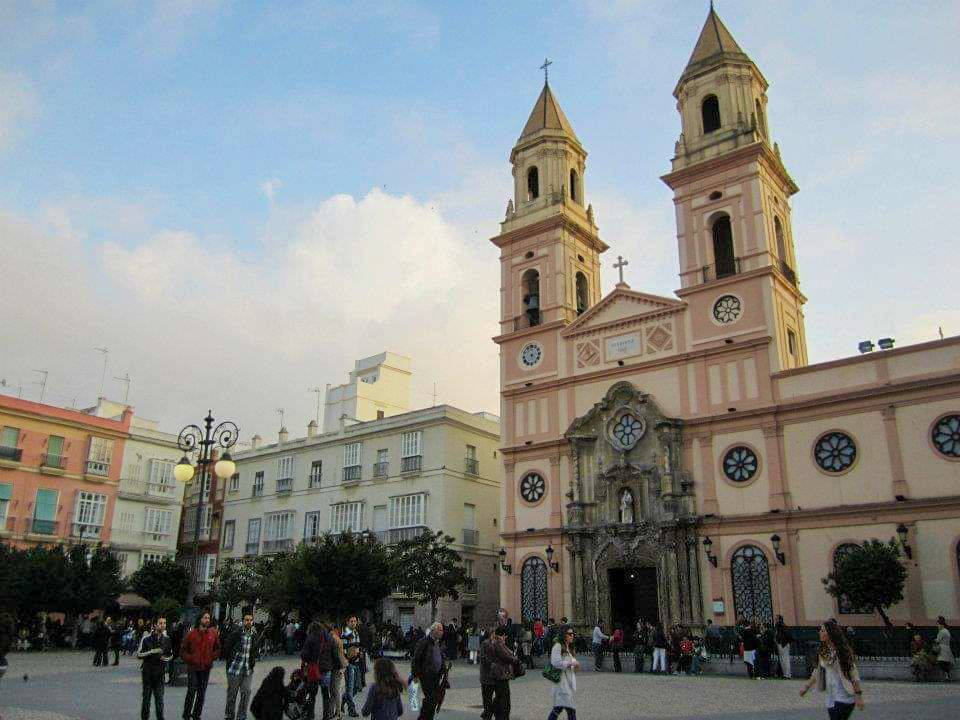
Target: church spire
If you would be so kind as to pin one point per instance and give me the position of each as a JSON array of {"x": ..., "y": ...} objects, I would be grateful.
[
  {"x": 547, "y": 115},
  {"x": 714, "y": 46}
]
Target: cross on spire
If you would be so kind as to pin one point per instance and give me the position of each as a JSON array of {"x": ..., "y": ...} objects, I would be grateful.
[
  {"x": 546, "y": 70},
  {"x": 619, "y": 265}
]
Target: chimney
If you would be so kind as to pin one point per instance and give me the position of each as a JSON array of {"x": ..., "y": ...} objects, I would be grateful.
[
  {"x": 282, "y": 435},
  {"x": 312, "y": 429},
  {"x": 255, "y": 441}
]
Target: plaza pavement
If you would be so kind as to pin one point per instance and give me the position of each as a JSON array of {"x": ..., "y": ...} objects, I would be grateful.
[{"x": 64, "y": 686}]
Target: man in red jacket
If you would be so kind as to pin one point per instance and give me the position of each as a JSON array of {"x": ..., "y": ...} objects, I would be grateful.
[{"x": 200, "y": 648}]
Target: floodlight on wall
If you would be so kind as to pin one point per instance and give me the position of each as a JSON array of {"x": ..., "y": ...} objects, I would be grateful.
[
  {"x": 885, "y": 343},
  {"x": 865, "y": 346}
]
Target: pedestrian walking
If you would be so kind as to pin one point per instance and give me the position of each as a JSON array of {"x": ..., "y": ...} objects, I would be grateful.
[
  {"x": 783, "y": 638},
  {"x": 836, "y": 673},
  {"x": 659, "y": 649},
  {"x": 154, "y": 650},
  {"x": 597, "y": 643},
  {"x": 318, "y": 657},
  {"x": 641, "y": 644},
  {"x": 616, "y": 645},
  {"x": 200, "y": 648},
  {"x": 116, "y": 639},
  {"x": 562, "y": 657},
  {"x": 385, "y": 696},
  {"x": 425, "y": 665},
  {"x": 749, "y": 641},
  {"x": 353, "y": 671},
  {"x": 337, "y": 676},
  {"x": 944, "y": 652},
  {"x": 473, "y": 644},
  {"x": 497, "y": 666},
  {"x": 101, "y": 641},
  {"x": 271, "y": 698},
  {"x": 241, "y": 652}
]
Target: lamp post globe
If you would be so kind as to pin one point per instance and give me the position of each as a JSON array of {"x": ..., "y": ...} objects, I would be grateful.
[
  {"x": 225, "y": 467},
  {"x": 183, "y": 470}
]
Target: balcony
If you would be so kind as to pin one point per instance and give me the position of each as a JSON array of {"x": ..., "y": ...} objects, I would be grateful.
[
  {"x": 408, "y": 533},
  {"x": 470, "y": 586},
  {"x": 352, "y": 473},
  {"x": 788, "y": 272},
  {"x": 471, "y": 466},
  {"x": 190, "y": 535},
  {"x": 41, "y": 527},
  {"x": 53, "y": 464},
  {"x": 100, "y": 469},
  {"x": 257, "y": 491},
  {"x": 471, "y": 537},
  {"x": 251, "y": 549},
  {"x": 530, "y": 318},
  {"x": 284, "y": 486},
  {"x": 12, "y": 454},
  {"x": 411, "y": 464},
  {"x": 271, "y": 547},
  {"x": 314, "y": 480},
  {"x": 721, "y": 270},
  {"x": 138, "y": 538},
  {"x": 381, "y": 470},
  {"x": 143, "y": 489},
  {"x": 85, "y": 531}
]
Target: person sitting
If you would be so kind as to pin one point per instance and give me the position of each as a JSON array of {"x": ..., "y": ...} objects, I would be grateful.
[{"x": 271, "y": 699}]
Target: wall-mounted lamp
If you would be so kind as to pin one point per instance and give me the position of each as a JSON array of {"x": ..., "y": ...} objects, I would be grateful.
[
  {"x": 708, "y": 547},
  {"x": 555, "y": 566},
  {"x": 508, "y": 569},
  {"x": 775, "y": 541},
  {"x": 902, "y": 533}
]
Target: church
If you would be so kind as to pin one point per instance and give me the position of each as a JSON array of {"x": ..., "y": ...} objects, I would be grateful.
[{"x": 676, "y": 458}]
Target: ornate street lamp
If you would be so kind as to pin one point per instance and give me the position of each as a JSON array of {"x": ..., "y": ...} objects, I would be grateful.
[
  {"x": 508, "y": 569},
  {"x": 708, "y": 548},
  {"x": 203, "y": 442},
  {"x": 555, "y": 566},
  {"x": 775, "y": 541},
  {"x": 902, "y": 532}
]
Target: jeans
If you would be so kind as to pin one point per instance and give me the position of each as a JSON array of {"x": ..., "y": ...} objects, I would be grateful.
[
  {"x": 597, "y": 657},
  {"x": 840, "y": 711},
  {"x": 326, "y": 707},
  {"x": 555, "y": 713},
  {"x": 695, "y": 664},
  {"x": 638, "y": 658},
  {"x": 196, "y": 691},
  {"x": 429, "y": 686},
  {"x": 352, "y": 686},
  {"x": 496, "y": 700},
  {"x": 238, "y": 684},
  {"x": 152, "y": 686},
  {"x": 659, "y": 658}
]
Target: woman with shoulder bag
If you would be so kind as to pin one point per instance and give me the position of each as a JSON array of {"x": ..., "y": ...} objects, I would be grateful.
[
  {"x": 836, "y": 673},
  {"x": 563, "y": 660}
]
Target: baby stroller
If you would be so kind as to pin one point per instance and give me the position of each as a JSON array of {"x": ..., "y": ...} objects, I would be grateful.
[{"x": 297, "y": 696}]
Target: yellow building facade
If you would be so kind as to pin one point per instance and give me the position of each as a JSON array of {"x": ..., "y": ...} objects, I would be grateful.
[{"x": 677, "y": 458}]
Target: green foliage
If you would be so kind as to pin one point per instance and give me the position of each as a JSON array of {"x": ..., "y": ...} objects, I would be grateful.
[
  {"x": 167, "y": 607},
  {"x": 872, "y": 576},
  {"x": 161, "y": 579},
  {"x": 427, "y": 568},
  {"x": 240, "y": 583}
]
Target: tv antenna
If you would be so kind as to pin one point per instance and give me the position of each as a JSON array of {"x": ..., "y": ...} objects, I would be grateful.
[
  {"x": 126, "y": 390},
  {"x": 317, "y": 390},
  {"x": 42, "y": 383},
  {"x": 103, "y": 375},
  {"x": 279, "y": 412}
]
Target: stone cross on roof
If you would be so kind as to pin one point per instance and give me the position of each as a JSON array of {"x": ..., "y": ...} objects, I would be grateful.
[
  {"x": 619, "y": 265},
  {"x": 546, "y": 70}
]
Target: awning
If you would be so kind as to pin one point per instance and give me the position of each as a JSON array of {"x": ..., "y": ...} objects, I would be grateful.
[{"x": 132, "y": 601}]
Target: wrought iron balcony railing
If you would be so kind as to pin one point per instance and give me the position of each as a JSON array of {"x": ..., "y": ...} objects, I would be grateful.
[
  {"x": 94, "y": 467},
  {"x": 10, "y": 453},
  {"x": 471, "y": 537},
  {"x": 57, "y": 462},
  {"x": 414, "y": 463},
  {"x": 276, "y": 546},
  {"x": 352, "y": 473},
  {"x": 284, "y": 485},
  {"x": 381, "y": 470},
  {"x": 471, "y": 466}
]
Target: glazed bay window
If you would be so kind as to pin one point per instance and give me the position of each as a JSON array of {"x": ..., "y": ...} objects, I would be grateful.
[
  {"x": 45, "y": 512},
  {"x": 190, "y": 522},
  {"x": 6, "y": 493},
  {"x": 311, "y": 527},
  {"x": 9, "y": 439},
  {"x": 161, "y": 482},
  {"x": 352, "y": 456},
  {"x": 316, "y": 473},
  {"x": 158, "y": 525},
  {"x": 149, "y": 557},
  {"x": 411, "y": 451},
  {"x": 346, "y": 517},
  {"x": 408, "y": 515},
  {"x": 88, "y": 512},
  {"x": 253, "y": 537},
  {"x": 278, "y": 532},
  {"x": 99, "y": 457},
  {"x": 285, "y": 474},
  {"x": 471, "y": 466}
]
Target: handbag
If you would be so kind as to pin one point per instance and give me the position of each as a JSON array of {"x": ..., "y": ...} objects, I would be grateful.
[
  {"x": 552, "y": 673},
  {"x": 519, "y": 670},
  {"x": 311, "y": 671}
]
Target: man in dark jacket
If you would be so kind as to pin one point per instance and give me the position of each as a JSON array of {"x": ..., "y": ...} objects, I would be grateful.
[
  {"x": 200, "y": 648},
  {"x": 425, "y": 666},
  {"x": 497, "y": 665},
  {"x": 155, "y": 650},
  {"x": 240, "y": 652},
  {"x": 319, "y": 648}
]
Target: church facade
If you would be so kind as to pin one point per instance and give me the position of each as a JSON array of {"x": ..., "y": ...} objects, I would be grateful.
[{"x": 676, "y": 458}]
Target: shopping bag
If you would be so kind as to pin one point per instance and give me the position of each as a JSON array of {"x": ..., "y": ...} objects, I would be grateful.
[
  {"x": 551, "y": 673},
  {"x": 414, "y": 697}
]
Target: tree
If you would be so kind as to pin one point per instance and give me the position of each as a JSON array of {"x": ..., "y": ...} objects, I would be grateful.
[
  {"x": 161, "y": 579},
  {"x": 871, "y": 576},
  {"x": 426, "y": 567},
  {"x": 95, "y": 579},
  {"x": 240, "y": 583},
  {"x": 168, "y": 608}
]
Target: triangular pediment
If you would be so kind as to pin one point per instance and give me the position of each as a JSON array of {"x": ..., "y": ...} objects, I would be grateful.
[{"x": 620, "y": 305}]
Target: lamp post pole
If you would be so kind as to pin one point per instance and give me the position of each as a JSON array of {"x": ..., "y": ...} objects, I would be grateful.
[{"x": 203, "y": 442}]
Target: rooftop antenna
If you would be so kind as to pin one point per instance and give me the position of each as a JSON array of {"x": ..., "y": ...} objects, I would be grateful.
[
  {"x": 280, "y": 413},
  {"x": 103, "y": 375},
  {"x": 940, "y": 330},
  {"x": 42, "y": 383},
  {"x": 317, "y": 390},
  {"x": 434, "y": 394},
  {"x": 4, "y": 383},
  {"x": 126, "y": 390}
]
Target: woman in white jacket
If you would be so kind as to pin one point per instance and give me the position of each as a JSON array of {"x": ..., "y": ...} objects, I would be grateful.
[{"x": 563, "y": 659}]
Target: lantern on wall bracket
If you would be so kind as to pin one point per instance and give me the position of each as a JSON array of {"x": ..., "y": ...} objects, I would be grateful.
[
  {"x": 708, "y": 548},
  {"x": 508, "y": 569},
  {"x": 902, "y": 534},
  {"x": 555, "y": 566},
  {"x": 775, "y": 541}
]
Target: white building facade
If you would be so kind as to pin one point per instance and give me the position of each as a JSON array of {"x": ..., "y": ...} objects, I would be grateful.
[{"x": 396, "y": 476}]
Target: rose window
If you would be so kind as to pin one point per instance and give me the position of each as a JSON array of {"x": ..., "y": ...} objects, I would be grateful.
[
  {"x": 727, "y": 309},
  {"x": 835, "y": 452},
  {"x": 532, "y": 487},
  {"x": 628, "y": 430},
  {"x": 946, "y": 436},
  {"x": 740, "y": 464}
]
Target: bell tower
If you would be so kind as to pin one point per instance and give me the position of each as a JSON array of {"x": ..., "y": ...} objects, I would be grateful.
[
  {"x": 550, "y": 249},
  {"x": 732, "y": 196}
]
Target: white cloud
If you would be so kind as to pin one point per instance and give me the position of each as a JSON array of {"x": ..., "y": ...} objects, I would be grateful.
[
  {"x": 19, "y": 106},
  {"x": 269, "y": 188}
]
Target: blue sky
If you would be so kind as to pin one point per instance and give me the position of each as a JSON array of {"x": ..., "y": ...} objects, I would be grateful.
[{"x": 304, "y": 183}]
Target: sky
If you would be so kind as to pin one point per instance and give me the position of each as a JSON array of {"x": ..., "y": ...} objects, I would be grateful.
[{"x": 239, "y": 199}]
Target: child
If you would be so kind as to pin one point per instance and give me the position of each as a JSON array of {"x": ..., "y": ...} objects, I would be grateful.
[
  {"x": 271, "y": 699},
  {"x": 384, "y": 701}
]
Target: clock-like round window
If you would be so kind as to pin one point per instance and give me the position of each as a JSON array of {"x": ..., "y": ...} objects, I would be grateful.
[
  {"x": 532, "y": 487},
  {"x": 740, "y": 464},
  {"x": 627, "y": 430},
  {"x": 531, "y": 354},
  {"x": 727, "y": 309},
  {"x": 946, "y": 436},
  {"x": 835, "y": 452}
]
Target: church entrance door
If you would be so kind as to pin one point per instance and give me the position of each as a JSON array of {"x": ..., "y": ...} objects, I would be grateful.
[{"x": 633, "y": 596}]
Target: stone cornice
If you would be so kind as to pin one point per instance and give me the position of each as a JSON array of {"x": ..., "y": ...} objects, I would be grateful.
[
  {"x": 759, "y": 151},
  {"x": 559, "y": 220}
]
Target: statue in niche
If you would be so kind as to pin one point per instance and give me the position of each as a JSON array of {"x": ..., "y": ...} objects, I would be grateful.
[{"x": 626, "y": 507}]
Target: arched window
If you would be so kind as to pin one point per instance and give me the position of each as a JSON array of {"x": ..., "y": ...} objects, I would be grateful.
[
  {"x": 583, "y": 293},
  {"x": 723, "y": 257},
  {"x": 843, "y": 603},
  {"x": 533, "y": 590},
  {"x": 781, "y": 241},
  {"x": 574, "y": 186},
  {"x": 710, "y": 111},
  {"x": 533, "y": 183},
  {"x": 530, "y": 283},
  {"x": 751, "y": 585},
  {"x": 761, "y": 120}
]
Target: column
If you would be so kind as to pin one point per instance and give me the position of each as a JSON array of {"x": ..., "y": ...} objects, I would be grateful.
[
  {"x": 510, "y": 498},
  {"x": 900, "y": 488},
  {"x": 556, "y": 517},
  {"x": 710, "y": 505},
  {"x": 693, "y": 572},
  {"x": 779, "y": 495},
  {"x": 913, "y": 587}
]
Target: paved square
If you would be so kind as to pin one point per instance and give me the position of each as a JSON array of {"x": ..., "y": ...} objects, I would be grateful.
[{"x": 65, "y": 686}]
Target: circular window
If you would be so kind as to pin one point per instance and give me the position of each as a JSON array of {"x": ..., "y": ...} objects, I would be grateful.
[
  {"x": 835, "y": 452},
  {"x": 531, "y": 354},
  {"x": 727, "y": 309},
  {"x": 532, "y": 487},
  {"x": 627, "y": 430},
  {"x": 946, "y": 436},
  {"x": 740, "y": 464}
]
